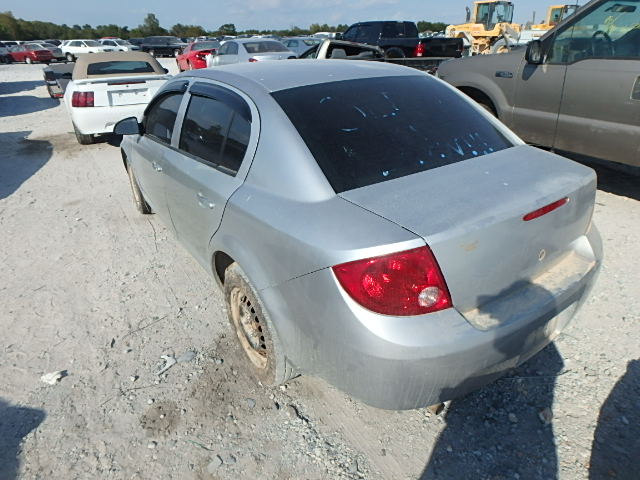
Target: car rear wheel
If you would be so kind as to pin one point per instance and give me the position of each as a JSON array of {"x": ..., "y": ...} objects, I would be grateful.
[
  {"x": 138, "y": 199},
  {"x": 69, "y": 57},
  {"x": 256, "y": 334},
  {"x": 394, "y": 53},
  {"x": 28, "y": 60},
  {"x": 82, "y": 138}
]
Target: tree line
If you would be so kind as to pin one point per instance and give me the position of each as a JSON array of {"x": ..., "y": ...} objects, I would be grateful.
[{"x": 12, "y": 28}]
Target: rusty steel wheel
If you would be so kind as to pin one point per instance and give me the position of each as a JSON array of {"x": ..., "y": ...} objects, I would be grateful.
[
  {"x": 248, "y": 327},
  {"x": 257, "y": 337}
]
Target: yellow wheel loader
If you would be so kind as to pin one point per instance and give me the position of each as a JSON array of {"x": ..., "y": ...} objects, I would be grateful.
[{"x": 490, "y": 21}]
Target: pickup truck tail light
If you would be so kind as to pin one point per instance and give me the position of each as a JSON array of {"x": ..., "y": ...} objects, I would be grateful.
[
  {"x": 419, "y": 51},
  {"x": 82, "y": 99},
  {"x": 400, "y": 284}
]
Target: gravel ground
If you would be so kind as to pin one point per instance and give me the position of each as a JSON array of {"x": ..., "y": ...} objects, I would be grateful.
[{"x": 93, "y": 289}]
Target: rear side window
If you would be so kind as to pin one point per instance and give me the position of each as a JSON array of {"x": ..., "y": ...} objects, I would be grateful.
[
  {"x": 204, "y": 128},
  {"x": 393, "y": 30},
  {"x": 215, "y": 132},
  {"x": 161, "y": 117},
  {"x": 367, "y": 131},
  {"x": 109, "y": 68}
]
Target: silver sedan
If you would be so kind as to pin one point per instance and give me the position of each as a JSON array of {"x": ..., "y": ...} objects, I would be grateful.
[
  {"x": 249, "y": 50},
  {"x": 367, "y": 223}
]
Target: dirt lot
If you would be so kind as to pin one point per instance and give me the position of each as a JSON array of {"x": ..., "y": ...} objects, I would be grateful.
[{"x": 90, "y": 287}]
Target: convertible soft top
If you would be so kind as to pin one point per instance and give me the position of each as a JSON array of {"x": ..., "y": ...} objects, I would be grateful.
[{"x": 84, "y": 62}]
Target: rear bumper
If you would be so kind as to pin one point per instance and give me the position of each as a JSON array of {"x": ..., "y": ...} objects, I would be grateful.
[
  {"x": 96, "y": 120},
  {"x": 411, "y": 362}
]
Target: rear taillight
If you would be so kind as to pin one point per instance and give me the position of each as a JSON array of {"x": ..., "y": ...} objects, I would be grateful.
[
  {"x": 419, "y": 51},
  {"x": 253, "y": 59},
  {"x": 82, "y": 99},
  {"x": 546, "y": 209},
  {"x": 401, "y": 284}
]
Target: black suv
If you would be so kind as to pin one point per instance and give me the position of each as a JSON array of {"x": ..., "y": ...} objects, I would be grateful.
[{"x": 165, "y": 45}]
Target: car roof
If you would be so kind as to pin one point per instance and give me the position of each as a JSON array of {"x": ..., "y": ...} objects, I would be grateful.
[
  {"x": 286, "y": 74},
  {"x": 83, "y": 61}
]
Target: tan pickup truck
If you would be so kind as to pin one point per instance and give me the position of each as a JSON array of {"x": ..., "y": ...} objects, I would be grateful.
[{"x": 576, "y": 90}]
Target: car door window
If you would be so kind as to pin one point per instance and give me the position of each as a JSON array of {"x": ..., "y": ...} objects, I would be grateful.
[
  {"x": 161, "y": 117},
  {"x": 217, "y": 130},
  {"x": 233, "y": 49},
  {"x": 610, "y": 30},
  {"x": 237, "y": 142},
  {"x": 223, "y": 49}
]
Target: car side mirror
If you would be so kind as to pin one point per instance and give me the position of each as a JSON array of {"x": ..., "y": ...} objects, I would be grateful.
[
  {"x": 534, "y": 54},
  {"x": 128, "y": 126}
]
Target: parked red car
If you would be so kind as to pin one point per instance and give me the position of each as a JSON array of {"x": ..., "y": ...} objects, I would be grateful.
[
  {"x": 30, "y": 54},
  {"x": 193, "y": 57}
]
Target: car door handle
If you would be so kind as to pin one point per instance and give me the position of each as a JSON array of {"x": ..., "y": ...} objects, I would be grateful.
[
  {"x": 156, "y": 167},
  {"x": 204, "y": 202}
]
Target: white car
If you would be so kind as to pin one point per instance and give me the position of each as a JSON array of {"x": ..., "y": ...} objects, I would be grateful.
[
  {"x": 107, "y": 87},
  {"x": 249, "y": 50},
  {"x": 118, "y": 44},
  {"x": 73, "y": 48}
]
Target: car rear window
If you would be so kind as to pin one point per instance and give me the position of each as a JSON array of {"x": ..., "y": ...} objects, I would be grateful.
[
  {"x": 119, "y": 67},
  {"x": 367, "y": 131},
  {"x": 205, "y": 45},
  {"x": 263, "y": 47}
]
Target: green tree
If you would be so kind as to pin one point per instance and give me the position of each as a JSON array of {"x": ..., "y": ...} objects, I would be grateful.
[
  {"x": 424, "y": 26},
  {"x": 227, "y": 29},
  {"x": 10, "y": 25},
  {"x": 150, "y": 26},
  {"x": 180, "y": 30}
]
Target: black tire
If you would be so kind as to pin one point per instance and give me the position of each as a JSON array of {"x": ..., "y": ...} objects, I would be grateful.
[
  {"x": 488, "y": 106},
  {"x": 260, "y": 344},
  {"x": 69, "y": 57},
  {"x": 138, "y": 199},
  {"x": 82, "y": 138},
  {"x": 394, "y": 53}
]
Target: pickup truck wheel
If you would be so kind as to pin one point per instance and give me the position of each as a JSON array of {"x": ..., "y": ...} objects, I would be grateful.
[
  {"x": 394, "y": 53},
  {"x": 256, "y": 334},
  {"x": 69, "y": 57},
  {"x": 138, "y": 199},
  {"x": 82, "y": 138},
  {"x": 28, "y": 61}
]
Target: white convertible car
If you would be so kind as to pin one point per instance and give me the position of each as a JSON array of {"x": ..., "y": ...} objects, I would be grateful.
[{"x": 107, "y": 87}]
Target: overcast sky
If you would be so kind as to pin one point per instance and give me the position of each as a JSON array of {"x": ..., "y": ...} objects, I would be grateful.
[{"x": 259, "y": 14}]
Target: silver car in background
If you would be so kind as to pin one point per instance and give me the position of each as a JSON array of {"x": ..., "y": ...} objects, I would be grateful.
[
  {"x": 250, "y": 50},
  {"x": 299, "y": 45},
  {"x": 368, "y": 223}
]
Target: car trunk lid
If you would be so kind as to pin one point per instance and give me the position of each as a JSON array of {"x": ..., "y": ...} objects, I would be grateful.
[
  {"x": 471, "y": 214},
  {"x": 122, "y": 90}
]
